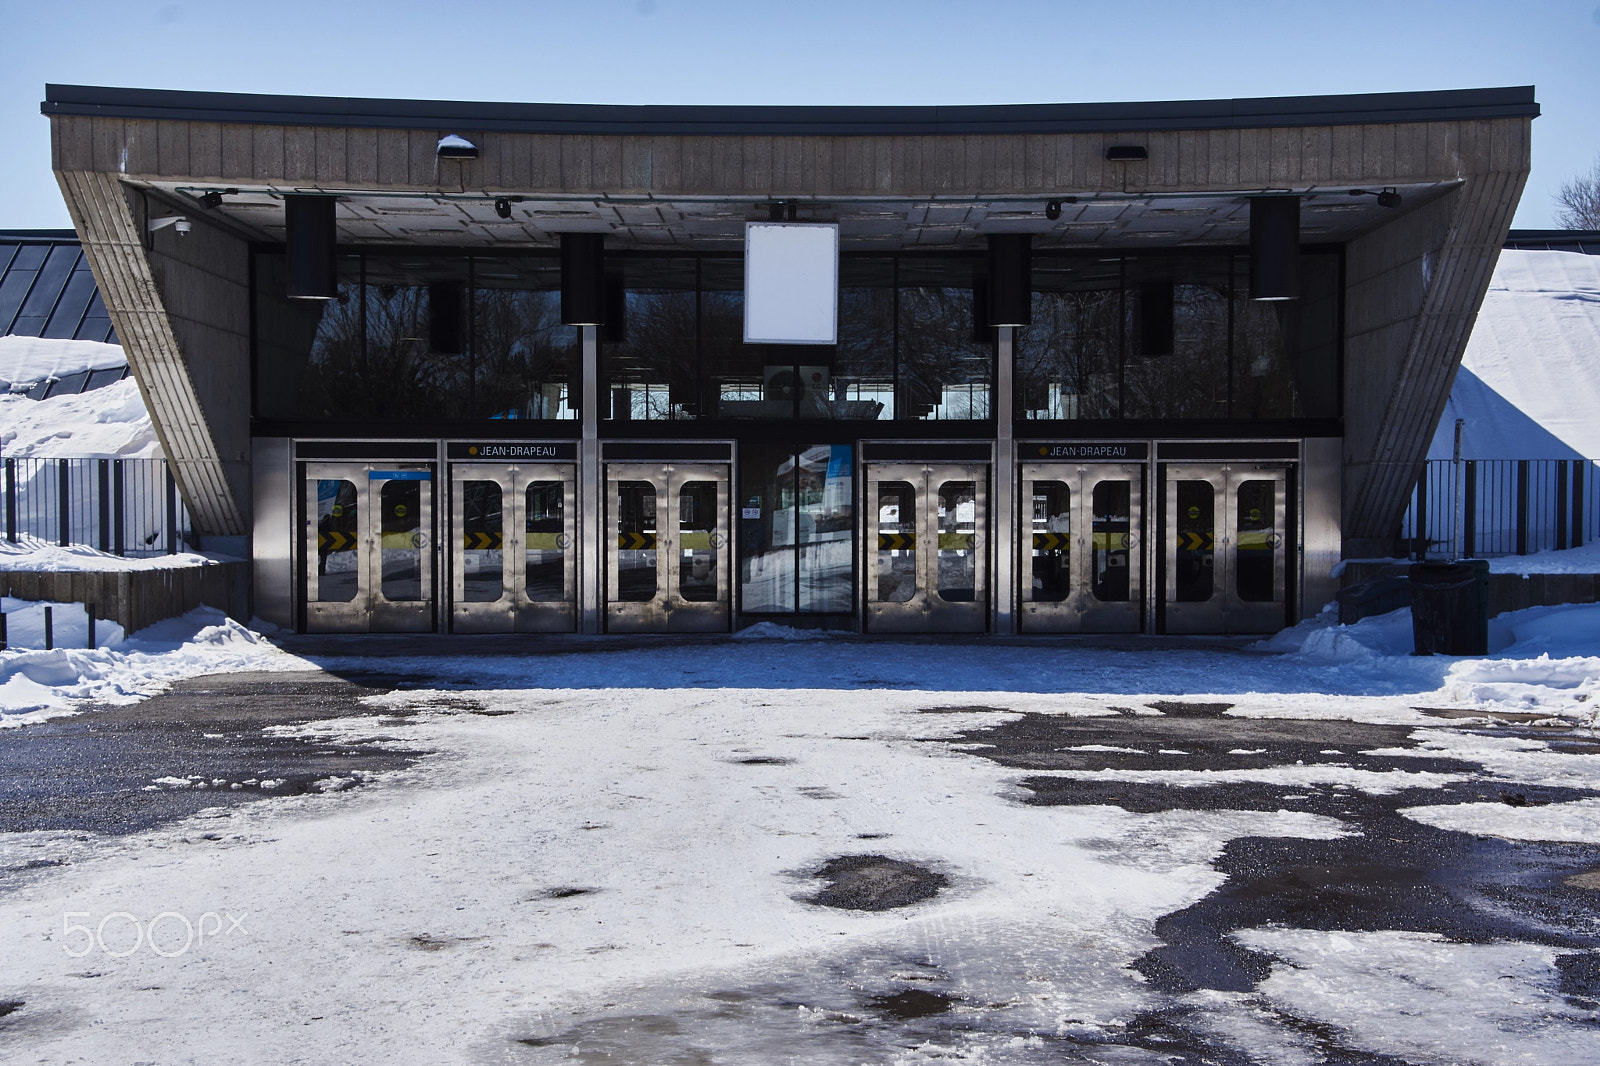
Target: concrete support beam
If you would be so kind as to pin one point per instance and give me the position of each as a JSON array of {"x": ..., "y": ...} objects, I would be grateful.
[
  {"x": 1413, "y": 289},
  {"x": 182, "y": 314}
]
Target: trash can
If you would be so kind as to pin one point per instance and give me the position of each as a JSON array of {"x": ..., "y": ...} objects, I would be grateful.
[{"x": 1450, "y": 607}]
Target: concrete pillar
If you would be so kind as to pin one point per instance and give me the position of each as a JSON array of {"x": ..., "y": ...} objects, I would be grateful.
[
  {"x": 591, "y": 506},
  {"x": 1005, "y": 482}
]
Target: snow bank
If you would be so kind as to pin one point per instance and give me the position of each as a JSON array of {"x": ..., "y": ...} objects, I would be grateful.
[
  {"x": 69, "y": 625},
  {"x": 33, "y": 554},
  {"x": 30, "y": 360},
  {"x": 1580, "y": 560},
  {"x": 1530, "y": 379},
  {"x": 107, "y": 423},
  {"x": 36, "y": 684}
]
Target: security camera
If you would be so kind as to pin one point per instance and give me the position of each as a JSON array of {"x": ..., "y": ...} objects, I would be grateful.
[
  {"x": 177, "y": 222},
  {"x": 183, "y": 226}
]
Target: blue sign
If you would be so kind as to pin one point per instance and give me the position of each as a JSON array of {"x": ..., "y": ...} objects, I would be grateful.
[{"x": 400, "y": 475}]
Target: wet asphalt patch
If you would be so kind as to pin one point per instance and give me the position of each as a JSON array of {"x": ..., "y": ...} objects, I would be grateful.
[
  {"x": 203, "y": 743},
  {"x": 1391, "y": 873},
  {"x": 874, "y": 883}
]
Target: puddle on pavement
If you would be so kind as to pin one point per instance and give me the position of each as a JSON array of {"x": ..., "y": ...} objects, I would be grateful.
[
  {"x": 874, "y": 883},
  {"x": 912, "y": 1003}
]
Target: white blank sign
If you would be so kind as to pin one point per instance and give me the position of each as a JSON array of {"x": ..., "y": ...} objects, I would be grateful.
[{"x": 791, "y": 283}]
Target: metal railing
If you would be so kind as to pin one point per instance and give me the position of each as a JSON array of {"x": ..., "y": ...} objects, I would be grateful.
[
  {"x": 122, "y": 506},
  {"x": 1507, "y": 506}
]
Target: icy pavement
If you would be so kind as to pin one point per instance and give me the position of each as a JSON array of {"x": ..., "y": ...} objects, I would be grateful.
[{"x": 929, "y": 852}]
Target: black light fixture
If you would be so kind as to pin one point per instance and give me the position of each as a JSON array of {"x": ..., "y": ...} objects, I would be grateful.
[
  {"x": 311, "y": 235},
  {"x": 1127, "y": 153},
  {"x": 502, "y": 207},
  {"x": 444, "y": 317},
  {"x": 211, "y": 199},
  {"x": 1389, "y": 197},
  {"x": 1010, "y": 279},
  {"x": 1156, "y": 318},
  {"x": 1274, "y": 247},
  {"x": 454, "y": 146},
  {"x": 1052, "y": 210},
  {"x": 583, "y": 279}
]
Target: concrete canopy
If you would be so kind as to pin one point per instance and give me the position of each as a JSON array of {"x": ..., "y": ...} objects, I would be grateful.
[{"x": 893, "y": 178}]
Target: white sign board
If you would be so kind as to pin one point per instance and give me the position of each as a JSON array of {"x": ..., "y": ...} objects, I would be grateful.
[{"x": 791, "y": 283}]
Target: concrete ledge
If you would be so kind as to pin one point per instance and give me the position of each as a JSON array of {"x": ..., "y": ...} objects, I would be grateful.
[
  {"x": 138, "y": 598},
  {"x": 1507, "y": 592}
]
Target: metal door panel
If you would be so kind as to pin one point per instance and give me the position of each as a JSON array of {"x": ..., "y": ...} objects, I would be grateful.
[
  {"x": 1092, "y": 543},
  {"x": 1236, "y": 554},
  {"x": 520, "y": 606},
  {"x": 702, "y": 551},
  {"x": 373, "y": 546},
  {"x": 914, "y": 600}
]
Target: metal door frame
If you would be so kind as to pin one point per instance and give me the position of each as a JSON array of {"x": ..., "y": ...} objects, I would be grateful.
[
  {"x": 1081, "y": 611},
  {"x": 925, "y": 612},
  {"x": 369, "y": 611},
  {"x": 1225, "y": 612},
  {"x": 668, "y": 611},
  {"x": 514, "y": 611}
]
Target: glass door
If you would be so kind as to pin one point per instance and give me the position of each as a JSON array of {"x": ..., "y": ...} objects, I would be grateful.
[
  {"x": 927, "y": 548},
  {"x": 369, "y": 548},
  {"x": 513, "y": 531},
  {"x": 1080, "y": 548},
  {"x": 667, "y": 548},
  {"x": 1225, "y": 551}
]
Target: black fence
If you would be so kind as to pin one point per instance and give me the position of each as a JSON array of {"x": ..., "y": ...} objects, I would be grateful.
[
  {"x": 122, "y": 506},
  {"x": 1507, "y": 506}
]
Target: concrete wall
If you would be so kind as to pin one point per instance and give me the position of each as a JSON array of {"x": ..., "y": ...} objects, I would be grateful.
[{"x": 138, "y": 598}]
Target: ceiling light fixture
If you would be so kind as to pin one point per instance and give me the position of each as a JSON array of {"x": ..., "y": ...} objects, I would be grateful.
[
  {"x": 1052, "y": 210},
  {"x": 1274, "y": 247},
  {"x": 1127, "y": 153},
  {"x": 453, "y": 146},
  {"x": 1389, "y": 197},
  {"x": 502, "y": 207}
]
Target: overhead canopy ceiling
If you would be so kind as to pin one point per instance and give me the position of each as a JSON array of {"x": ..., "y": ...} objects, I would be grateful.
[{"x": 1328, "y": 215}]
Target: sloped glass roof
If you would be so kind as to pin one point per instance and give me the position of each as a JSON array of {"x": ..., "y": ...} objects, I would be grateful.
[{"x": 46, "y": 289}]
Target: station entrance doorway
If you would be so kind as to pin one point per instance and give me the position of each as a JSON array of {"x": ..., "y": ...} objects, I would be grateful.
[
  {"x": 667, "y": 530},
  {"x": 927, "y": 550},
  {"x": 368, "y": 548},
  {"x": 513, "y": 542},
  {"x": 1226, "y": 532},
  {"x": 1082, "y": 548}
]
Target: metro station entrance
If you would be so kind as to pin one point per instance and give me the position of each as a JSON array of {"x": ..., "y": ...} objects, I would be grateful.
[
  {"x": 513, "y": 539},
  {"x": 1226, "y": 535},
  {"x": 368, "y": 548},
  {"x": 667, "y": 548},
  {"x": 1081, "y": 548},
  {"x": 926, "y": 547}
]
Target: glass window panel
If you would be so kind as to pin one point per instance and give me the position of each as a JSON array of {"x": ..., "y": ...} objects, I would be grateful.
[
  {"x": 309, "y": 353},
  {"x": 417, "y": 363},
  {"x": 699, "y": 536},
  {"x": 649, "y": 360},
  {"x": 483, "y": 544},
  {"x": 404, "y": 541},
  {"x": 1051, "y": 579},
  {"x": 945, "y": 372},
  {"x": 338, "y": 565},
  {"x": 826, "y": 514},
  {"x": 1286, "y": 353},
  {"x": 1109, "y": 572},
  {"x": 767, "y": 518},
  {"x": 958, "y": 541},
  {"x": 897, "y": 541},
  {"x": 53, "y": 274},
  {"x": 1257, "y": 541},
  {"x": 855, "y": 380},
  {"x": 1176, "y": 337},
  {"x": 545, "y": 573},
  {"x": 525, "y": 361},
  {"x": 1067, "y": 359},
  {"x": 636, "y": 541},
  {"x": 1196, "y": 548},
  {"x": 73, "y": 304}
]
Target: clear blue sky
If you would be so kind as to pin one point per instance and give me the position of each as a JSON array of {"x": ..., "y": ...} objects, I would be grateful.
[{"x": 822, "y": 51}]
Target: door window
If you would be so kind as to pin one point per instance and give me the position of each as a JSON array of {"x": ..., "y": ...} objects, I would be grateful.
[
  {"x": 1196, "y": 527},
  {"x": 482, "y": 548},
  {"x": 958, "y": 541},
  {"x": 897, "y": 541},
  {"x": 1113, "y": 542},
  {"x": 1257, "y": 542},
  {"x": 636, "y": 541},
  {"x": 338, "y": 563},
  {"x": 400, "y": 504},
  {"x": 1052, "y": 545},
  {"x": 698, "y": 540},
  {"x": 545, "y": 543}
]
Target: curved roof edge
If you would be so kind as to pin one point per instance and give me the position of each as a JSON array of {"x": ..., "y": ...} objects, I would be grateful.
[{"x": 669, "y": 119}]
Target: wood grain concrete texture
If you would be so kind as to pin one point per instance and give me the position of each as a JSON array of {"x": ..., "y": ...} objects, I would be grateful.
[
  {"x": 138, "y": 598},
  {"x": 110, "y": 226}
]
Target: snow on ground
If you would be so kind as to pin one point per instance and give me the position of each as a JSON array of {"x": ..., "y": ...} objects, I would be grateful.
[
  {"x": 26, "y": 361},
  {"x": 37, "y": 684},
  {"x": 31, "y": 553},
  {"x": 69, "y": 626},
  {"x": 1530, "y": 379},
  {"x": 1425, "y": 999},
  {"x": 1584, "y": 559},
  {"x": 105, "y": 423},
  {"x": 1576, "y": 822}
]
